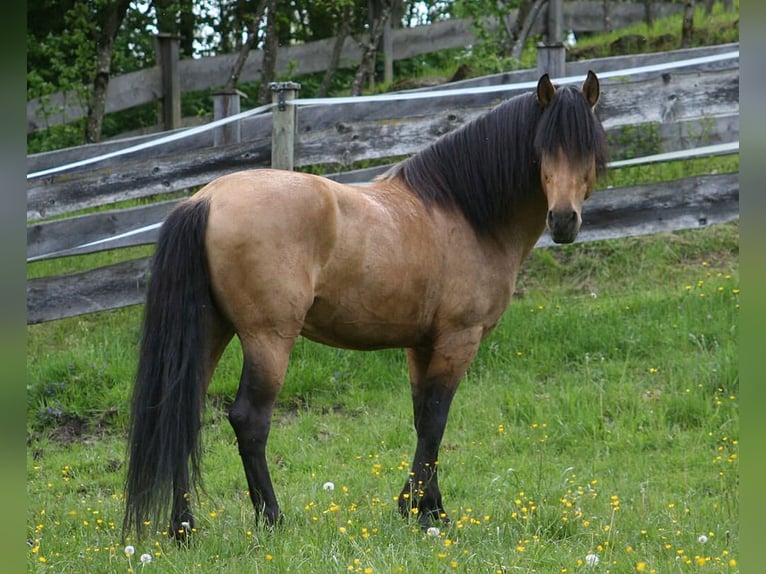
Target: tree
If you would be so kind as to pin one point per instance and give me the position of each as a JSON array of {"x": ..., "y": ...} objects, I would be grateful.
[
  {"x": 687, "y": 29},
  {"x": 491, "y": 25},
  {"x": 378, "y": 20},
  {"x": 107, "y": 18},
  {"x": 252, "y": 25},
  {"x": 528, "y": 12}
]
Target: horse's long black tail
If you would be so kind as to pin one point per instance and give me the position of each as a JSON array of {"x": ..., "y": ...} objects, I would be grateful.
[{"x": 163, "y": 441}]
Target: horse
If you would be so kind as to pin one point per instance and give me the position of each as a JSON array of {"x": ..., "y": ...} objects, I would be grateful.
[{"x": 424, "y": 258}]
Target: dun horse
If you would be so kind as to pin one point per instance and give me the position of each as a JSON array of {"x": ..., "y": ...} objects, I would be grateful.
[{"x": 425, "y": 258}]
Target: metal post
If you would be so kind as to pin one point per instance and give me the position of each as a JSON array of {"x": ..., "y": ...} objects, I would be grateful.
[
  {"x": 166, "y": 46},
  {"x": 225, "y": 104},
  {"x": 284, "y": 124}
]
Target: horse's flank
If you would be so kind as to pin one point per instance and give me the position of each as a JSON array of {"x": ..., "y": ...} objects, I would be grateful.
[{"x": 360, "y": 267}]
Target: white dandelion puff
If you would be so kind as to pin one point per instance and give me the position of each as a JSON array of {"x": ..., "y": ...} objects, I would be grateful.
[
  {"x": 433, "y": 531},
  {"x": 328, "y": 486},
  {"x": 129, "y": 550},
  {"x": 591, "y": 560},
  {"x": 146, "y": 558},
  {"x": 702, "y": 539}
]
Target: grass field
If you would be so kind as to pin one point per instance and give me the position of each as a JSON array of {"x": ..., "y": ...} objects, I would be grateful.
[
  {"x": 598, "y": 424},
  {"x": 597, "y": 431}
]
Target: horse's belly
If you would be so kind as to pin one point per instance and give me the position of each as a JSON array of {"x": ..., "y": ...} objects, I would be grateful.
[{"x": 365, "y": 326}]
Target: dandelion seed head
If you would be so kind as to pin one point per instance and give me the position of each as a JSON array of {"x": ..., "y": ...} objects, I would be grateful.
[
  {"x": 129, "y": 550},
  {"x": 591, "y": 560},
  {"x": 328, "y": 486},
  {"x": 433, "y": 531},
  {"x": 146, "y": 558},
  {"x": 702, "y": 539}
]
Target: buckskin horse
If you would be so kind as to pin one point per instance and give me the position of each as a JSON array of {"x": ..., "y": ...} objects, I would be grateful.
[{"x": 424, "y": 258}]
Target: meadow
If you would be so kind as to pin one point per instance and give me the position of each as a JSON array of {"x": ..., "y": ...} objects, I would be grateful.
[{"x": 597, "y": 431}]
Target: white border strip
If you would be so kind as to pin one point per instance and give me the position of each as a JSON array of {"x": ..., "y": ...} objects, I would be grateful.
[{"x": 382, "y": 98}]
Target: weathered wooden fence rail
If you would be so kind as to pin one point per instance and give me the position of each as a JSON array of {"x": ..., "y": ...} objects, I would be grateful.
[
  {"x": 643, "y": 114},
  {"x": 145, "y": 86}
]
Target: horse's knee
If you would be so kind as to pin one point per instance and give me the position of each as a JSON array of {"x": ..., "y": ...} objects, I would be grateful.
[{"x": 250, "y": 427}]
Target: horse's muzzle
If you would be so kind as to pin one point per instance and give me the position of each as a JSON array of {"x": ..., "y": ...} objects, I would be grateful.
[{"x": 563, "y": 225}]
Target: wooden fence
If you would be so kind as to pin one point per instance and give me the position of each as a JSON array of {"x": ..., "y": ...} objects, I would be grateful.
[
  {"x": 645, "y": 113},
  {"x": 146, "y": 86}
]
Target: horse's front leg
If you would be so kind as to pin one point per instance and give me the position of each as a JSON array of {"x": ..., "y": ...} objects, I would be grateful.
[{"x": 435, "y": 374}]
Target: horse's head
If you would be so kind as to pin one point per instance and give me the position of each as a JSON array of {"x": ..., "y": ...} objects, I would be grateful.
[{"x": 571, "y": 149}]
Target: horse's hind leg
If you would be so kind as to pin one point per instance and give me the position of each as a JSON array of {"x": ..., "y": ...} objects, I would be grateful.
[
  {"x": 435, "y": 373},
  {"x": 181, "y": 518},
  {"x": 263, "y": 372}
]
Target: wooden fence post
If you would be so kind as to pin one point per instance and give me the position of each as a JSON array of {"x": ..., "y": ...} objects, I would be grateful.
[
  {"x": 555, "y": 17},
  {"x": 551, "y": 59},
  {"x": 551, "y": 55},
  {"x": 284, "y": 123},
  {"x": 388, "y": 52},
  {"x": 225, "y": 104},
  {"x": 166, "y": 46}
]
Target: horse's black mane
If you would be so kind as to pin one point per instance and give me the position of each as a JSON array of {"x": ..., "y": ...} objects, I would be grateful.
[{"x": 489, "y": 164}]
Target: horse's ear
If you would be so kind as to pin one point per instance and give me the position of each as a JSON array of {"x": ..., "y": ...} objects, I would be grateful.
[
  {"x": 591, "y": 89},
  {"x": 545, "y": 91}
]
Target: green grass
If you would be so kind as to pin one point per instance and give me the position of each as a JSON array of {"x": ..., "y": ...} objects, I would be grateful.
[{"x": 600, "y": 418}]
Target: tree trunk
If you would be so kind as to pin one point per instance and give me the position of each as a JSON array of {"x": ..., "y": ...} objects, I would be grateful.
[
  {"x": 529, "y": 17},
  {"x": 252, "y": 35},
  {"x": 186, "y": 24},
  {"x": 370, "y": 49},
  {"x": 648, "y": 14},
  {"x": 109, "y": 20},
  {"x": 344, "y": 29},
  {"x": 687, "y": 30},
  {"x": 607, "y": 4},
  {"x": 270, "y": 46}
]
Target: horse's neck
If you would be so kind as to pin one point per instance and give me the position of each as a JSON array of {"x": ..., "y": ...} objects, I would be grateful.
[{"x": 525, "y": 226}]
